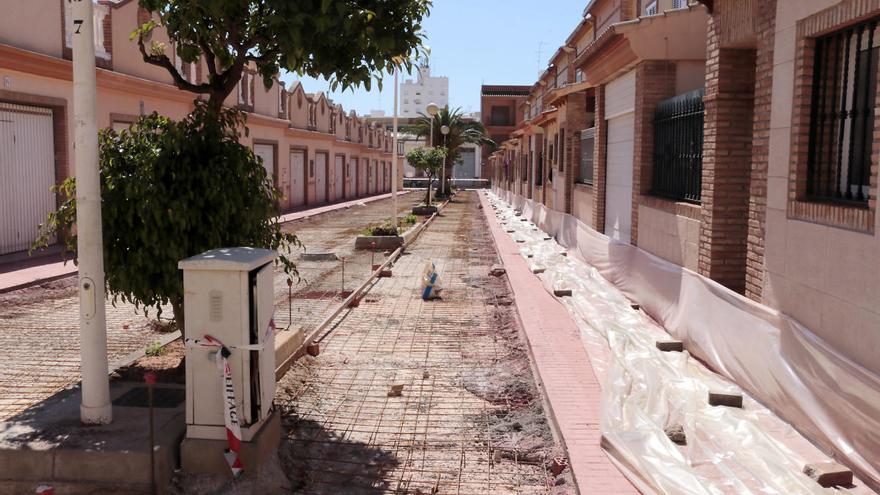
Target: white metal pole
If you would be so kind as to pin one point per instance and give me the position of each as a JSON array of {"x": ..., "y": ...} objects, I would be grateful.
[
  {"x": 95, "y": 407},
  {"x": 431, "y": 179},
  {"x": 443, "y": 171},
  {"x": 394, "y": 158}
]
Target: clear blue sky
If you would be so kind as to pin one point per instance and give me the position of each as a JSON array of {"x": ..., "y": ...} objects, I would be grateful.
[{"x": 475, "y": 42}]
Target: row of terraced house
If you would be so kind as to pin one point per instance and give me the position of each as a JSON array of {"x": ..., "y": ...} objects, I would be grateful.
[
  {"x": 315, "y": 151},
  {"x": 735, "y": 138}
]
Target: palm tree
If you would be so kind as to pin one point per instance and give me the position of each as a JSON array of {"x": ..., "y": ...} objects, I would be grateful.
[{"x": 461, "y": 131}]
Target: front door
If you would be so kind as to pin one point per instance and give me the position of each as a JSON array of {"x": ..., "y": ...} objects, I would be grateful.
[
  {"x": 320, "y": 178},
  {"x": 297, "y": 178},
  {"x": 350, "y": 191},
  {"x": 338, "y": 179},
  {"x": 267, "y": 153}
]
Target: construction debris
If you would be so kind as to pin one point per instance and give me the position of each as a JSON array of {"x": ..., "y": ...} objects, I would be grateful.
[
  {"x": 313, "y": 349},
  {"x": 497, "y": 270},
  {"x": 562, "y": 292},
  {"x": 676, "y": 434},
  {"x": 395, "y": 391},
  {"x": 670, "y": 345},
  {"x": 829, "y": 474},
  {"x": 728, "y": 400}
]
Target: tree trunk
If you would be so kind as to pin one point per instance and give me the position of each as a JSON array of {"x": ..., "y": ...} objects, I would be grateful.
[
  {"x": 215, "y": 102},
  {"x": 428, "y": 190},
  {"x": 179, "y": 318}
]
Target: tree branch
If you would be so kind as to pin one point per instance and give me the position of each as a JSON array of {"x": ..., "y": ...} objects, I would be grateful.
[
  {"x": 209, "y": 55},
  {"x": 164, "y": 62}
]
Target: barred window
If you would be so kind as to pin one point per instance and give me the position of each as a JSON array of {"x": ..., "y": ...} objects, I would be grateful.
[
  {"x": 842, "y": 114},
  {"x": 585, "y": 171}
]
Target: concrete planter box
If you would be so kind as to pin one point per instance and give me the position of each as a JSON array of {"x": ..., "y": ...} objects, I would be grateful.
[
  {"x": 386, "y": 242},
  {"x": 383, "y": 242},
  {"x": 424, "y": 211}
]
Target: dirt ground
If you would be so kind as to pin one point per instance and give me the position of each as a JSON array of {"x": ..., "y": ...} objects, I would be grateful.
[{"x": 468, "y": 417}]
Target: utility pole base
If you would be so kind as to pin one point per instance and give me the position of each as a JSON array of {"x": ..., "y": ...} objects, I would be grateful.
[{"x": 102, "y": 415}]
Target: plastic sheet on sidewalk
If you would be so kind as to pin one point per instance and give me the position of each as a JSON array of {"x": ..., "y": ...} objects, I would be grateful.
[{"x": 786, "y": 371}]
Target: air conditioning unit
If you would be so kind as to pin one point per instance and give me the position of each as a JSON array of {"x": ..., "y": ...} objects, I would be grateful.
[{"x": 229, "y": 295}]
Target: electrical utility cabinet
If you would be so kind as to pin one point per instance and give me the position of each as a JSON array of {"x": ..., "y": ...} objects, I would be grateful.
[{"x": 229, "y": 295}]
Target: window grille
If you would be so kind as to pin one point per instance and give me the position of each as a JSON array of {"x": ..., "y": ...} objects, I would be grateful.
[
  {"x": 678, "y": 148},
  {"x": 842, "y": 114}
]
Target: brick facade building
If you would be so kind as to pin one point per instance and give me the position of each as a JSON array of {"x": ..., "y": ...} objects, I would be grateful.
[
  {"x": 735, "y": 138},
  {"x": 314, "y": 150}
]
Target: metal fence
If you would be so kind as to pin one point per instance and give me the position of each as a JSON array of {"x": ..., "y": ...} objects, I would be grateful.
[{"x": 678, "y": 147}]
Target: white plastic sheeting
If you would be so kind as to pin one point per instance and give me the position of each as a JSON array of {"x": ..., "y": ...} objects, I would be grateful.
[{"x": 792, "y": 372}]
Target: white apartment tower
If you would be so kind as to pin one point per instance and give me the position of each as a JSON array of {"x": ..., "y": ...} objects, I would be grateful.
[{"x": 416, "y": 94}]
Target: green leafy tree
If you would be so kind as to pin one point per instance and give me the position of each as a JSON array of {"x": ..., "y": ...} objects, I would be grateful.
[
  {"x": 171, "y": 190},
  {"x": 345, "y": 41},
  {"x": 461, "y": 131},
  {"x": 429, "y": 160}
]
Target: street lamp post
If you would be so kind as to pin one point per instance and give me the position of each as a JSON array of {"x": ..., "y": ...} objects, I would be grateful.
[
  {"x": 95, "y": 407},
  {"x": 432, "y": 109},
  {"x": 444, "y": 130},
  {"x": 394, "y": 158}
]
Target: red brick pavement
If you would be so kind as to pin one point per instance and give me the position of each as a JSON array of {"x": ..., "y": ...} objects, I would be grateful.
[{"x": 571, "y": 387}]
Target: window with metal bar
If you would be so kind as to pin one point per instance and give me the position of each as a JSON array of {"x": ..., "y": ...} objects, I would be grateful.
[
  {"x": 585, "y": 171},
  {"x": 561, "y": 147},
  {"x": 678, "y": 148},
  {"x": 842, "y": 105},
  {"x": 539, "y": 170}
]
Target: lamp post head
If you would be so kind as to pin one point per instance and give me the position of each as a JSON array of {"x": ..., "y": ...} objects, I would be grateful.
[
  {"x": 433, "y": 108},
  {"x": 444, "y": 130}
]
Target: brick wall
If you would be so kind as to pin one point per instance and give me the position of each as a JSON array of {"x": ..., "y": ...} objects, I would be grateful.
[
  {"x": 727, "y": 155},
  {"x": 599, "y": 162},
  {"x": 766, "y": 28},
  {"x": 576, "y": 121},
  {"x": 655, "y": 81}
]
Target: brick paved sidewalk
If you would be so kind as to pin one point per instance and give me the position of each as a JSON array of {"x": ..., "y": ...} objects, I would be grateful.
[{"x": 564, "y": 369}]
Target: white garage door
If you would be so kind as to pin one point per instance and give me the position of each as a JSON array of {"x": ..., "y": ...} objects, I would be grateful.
[
  {"x": 320, "y": 178},
  {"x": 338, "y": 170},
  {"x": 297, "y": 178},
  {"x": 619, "y": 107},
  {"x": 27, "y": 172},
  {"x": 267, "y": 153}
]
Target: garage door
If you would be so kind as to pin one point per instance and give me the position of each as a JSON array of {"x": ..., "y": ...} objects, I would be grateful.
[
  {"x": 619, "y": 107},
  {"x": 320, "y": 178},
  {"x": 297, "y": 178},
  {"x": 338, "y": 179},
  {"x": 27, "y": 172},
  {"x": 350, "y": 178},
  {"x": 267, "y": 153}
]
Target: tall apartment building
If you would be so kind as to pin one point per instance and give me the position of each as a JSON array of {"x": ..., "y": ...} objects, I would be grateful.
[{"x": 416, "y": 94}]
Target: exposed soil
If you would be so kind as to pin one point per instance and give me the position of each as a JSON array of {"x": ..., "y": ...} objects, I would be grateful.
[{"x": 169, "y": 366}]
